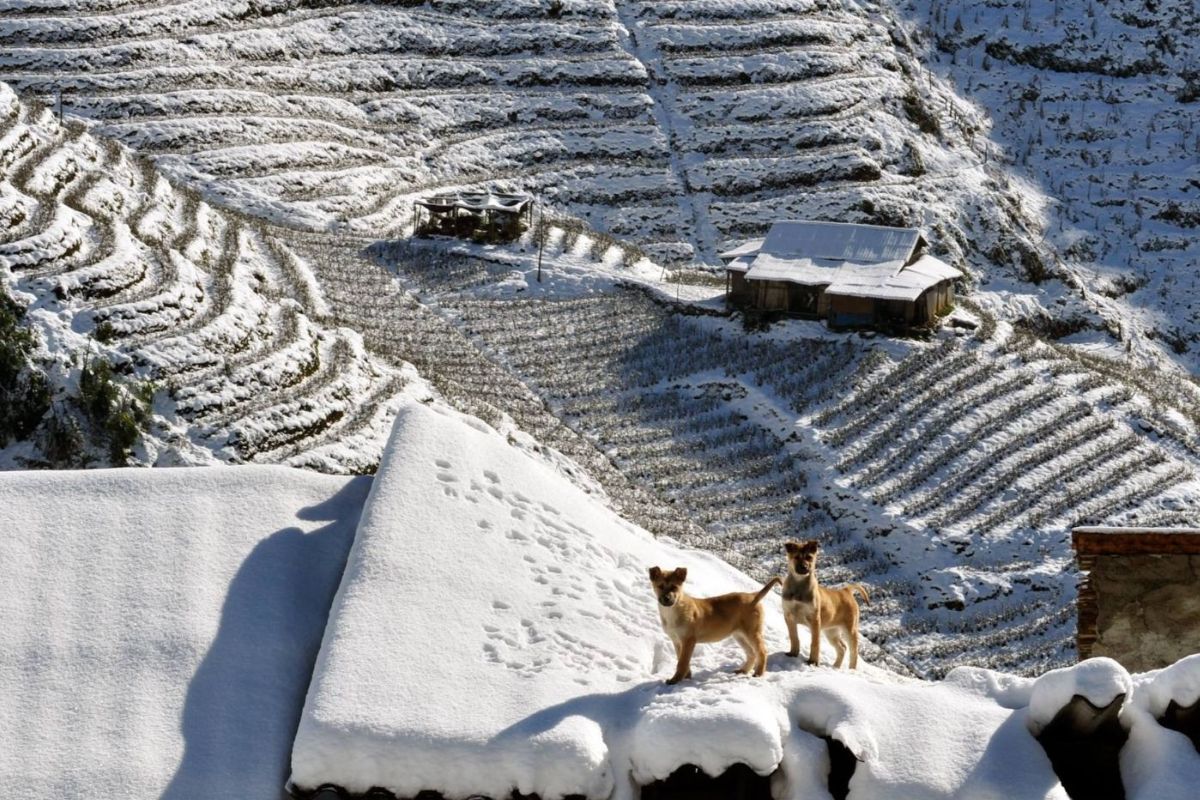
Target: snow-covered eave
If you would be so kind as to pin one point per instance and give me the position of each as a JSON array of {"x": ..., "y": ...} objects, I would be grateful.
[{"x": 749, "y": 247}]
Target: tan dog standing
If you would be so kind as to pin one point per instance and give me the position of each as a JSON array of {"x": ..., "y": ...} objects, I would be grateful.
[
  {"x": 692, "y": 620},
  {"x": 833, "y": 612}
]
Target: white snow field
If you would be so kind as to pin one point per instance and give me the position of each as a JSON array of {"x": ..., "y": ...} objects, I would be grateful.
[
  {"x": 1096, "y": 105},
  {"x": 495, "y": 631},
  {"x": 114, "y": 260},
  {"x": 160, "y": 626}
]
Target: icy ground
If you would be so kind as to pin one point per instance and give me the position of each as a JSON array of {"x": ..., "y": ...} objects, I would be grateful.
[{"x": 160, "y": 626}]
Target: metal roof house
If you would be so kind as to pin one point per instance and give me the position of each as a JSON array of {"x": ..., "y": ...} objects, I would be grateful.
[{"x": 853, "y": 275}]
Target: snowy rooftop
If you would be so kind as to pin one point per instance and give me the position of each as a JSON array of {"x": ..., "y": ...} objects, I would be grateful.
[
  {"x": 848, "y": 259},
  {"x": 160, "y": 626},
  {"x": 512, "y": 202},
  {"x": 841, "y": 241}
]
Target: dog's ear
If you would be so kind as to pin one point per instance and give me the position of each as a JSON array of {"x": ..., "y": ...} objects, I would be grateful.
[
  {"x": 681, "y": 574},
  {"x": 791, "y": 547},
  {"x": 811, "y": 546},
  {"x": 655, "y": 573}
]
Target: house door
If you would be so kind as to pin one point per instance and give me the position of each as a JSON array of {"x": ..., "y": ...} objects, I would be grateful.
[{"x": 802, "y": 299}]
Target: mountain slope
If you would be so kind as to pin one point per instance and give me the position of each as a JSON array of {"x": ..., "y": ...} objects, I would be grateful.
[
  {"x": 116, "y": 261},
  {"x": 1097, "y": 104},
  {"x": 681, "y": 126}
]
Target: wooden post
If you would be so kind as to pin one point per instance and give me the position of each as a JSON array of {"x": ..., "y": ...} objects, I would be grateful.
[{"x": 541, "y": 236}]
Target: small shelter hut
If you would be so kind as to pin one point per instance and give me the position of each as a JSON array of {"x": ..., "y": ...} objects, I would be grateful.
[
  {"x": 464, "y": 213},
  {"x": 852, "y": 275}
]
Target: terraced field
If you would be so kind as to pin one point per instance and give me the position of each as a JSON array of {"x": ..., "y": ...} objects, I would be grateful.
[
  {"x": 117, "y": 260},
  {"x": 680, "y": 126}
]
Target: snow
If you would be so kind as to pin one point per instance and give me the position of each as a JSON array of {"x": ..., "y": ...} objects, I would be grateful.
[
  {"x": 1157, "y": 762},
  {"x": 160, "y": 626},
  {"x": 480, "y": 572},
  {"x": 1098, "y": 680}
]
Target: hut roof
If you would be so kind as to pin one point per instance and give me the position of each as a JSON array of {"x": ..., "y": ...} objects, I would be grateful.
[
  {"x": 747, "y": 248},
  {"x": 884, "y": 282},
  {"x": 510, "y": 202},
  {"x": 841, "y": 241},
  {"x": 850, "y": 259}
]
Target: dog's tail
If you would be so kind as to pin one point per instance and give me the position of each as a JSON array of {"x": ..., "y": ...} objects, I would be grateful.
[
  {"x": 858, "y": 588},
  {"x": 766, "y": 588}
]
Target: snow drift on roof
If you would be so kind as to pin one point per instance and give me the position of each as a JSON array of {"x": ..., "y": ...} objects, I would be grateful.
[
  {"x": 890, "y": 281},
  {"x": 160, "y": 626},
  {"x": 749, "y": 247}
]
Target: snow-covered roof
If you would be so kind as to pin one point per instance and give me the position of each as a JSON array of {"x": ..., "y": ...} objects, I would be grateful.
[
  {"x": 512, "y": 202},
  {"x": 850, "y": 259},
  {"x": 793, "y": 269},
  {"x": 886, "y": 282},
  {"x": 482, "y": 573},
  {"x": 160, "y": 626},
  {"x": 749, "y": 247}
]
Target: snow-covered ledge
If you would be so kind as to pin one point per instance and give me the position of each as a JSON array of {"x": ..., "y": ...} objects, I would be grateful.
[{"x": 495, "y": 631}]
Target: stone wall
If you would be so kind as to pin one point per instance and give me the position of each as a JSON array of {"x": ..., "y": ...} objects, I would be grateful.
[{"x": 1147, "y": 608}]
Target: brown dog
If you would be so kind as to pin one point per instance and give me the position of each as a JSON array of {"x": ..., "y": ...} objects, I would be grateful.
[
  {"x": 691, "y": 620},
  {"x": 832, "y": 611}
]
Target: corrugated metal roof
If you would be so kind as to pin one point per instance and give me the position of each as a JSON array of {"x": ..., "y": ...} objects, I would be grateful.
[{"x": 841, "y": 241}]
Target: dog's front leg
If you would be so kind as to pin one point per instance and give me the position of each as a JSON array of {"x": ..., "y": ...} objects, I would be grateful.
[
  {"x": 793, "y": 635},
  {"x": 814, "y": 647},
  {"x": 683, "y": 669}
]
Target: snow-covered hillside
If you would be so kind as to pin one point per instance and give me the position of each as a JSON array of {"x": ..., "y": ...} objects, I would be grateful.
[
  {"x": 946, "y": 474},
  {"x": 160, "y": 626},
  {"x": 1097, "y": 104},
  {"x": 681, "y": 126},
  {"x": 116, "y": 262}
]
